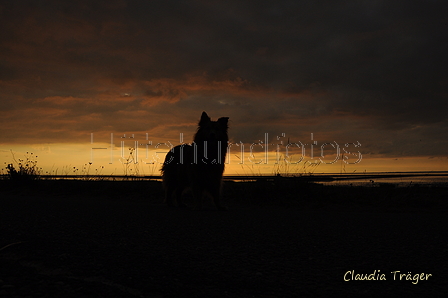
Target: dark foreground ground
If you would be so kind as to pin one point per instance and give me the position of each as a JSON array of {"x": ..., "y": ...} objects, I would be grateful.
[{"x": 116, "y": 239}]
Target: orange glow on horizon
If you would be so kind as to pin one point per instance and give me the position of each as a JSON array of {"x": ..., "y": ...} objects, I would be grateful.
[{"x": 100, "y": 159}]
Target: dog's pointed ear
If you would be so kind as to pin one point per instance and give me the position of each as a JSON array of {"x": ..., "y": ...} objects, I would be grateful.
[
  {"x": 204, "y": 119},
  {"x": 223, "y": 121}
]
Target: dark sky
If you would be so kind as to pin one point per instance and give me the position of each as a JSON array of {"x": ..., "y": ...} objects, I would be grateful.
[{"x": 368, "y": 71}]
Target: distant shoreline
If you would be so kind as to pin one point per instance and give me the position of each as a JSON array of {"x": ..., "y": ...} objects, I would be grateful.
[{"x": 439, "y": 177}]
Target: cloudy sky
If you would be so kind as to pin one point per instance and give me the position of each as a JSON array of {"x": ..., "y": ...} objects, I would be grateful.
[{"x": 367, "y": 72}]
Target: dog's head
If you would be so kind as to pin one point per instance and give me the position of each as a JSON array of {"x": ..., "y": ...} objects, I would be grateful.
[{"x": 209, "y": 130}]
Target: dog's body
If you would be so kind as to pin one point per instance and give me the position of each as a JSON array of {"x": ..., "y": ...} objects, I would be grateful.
[{"x": 197, "y": 167}]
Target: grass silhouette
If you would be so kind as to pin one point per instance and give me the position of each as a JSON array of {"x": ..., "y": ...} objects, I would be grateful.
[{"x": 23, "y": 169}]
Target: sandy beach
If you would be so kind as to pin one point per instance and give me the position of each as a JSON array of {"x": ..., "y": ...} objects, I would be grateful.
[{"x": 79, "y": 241}]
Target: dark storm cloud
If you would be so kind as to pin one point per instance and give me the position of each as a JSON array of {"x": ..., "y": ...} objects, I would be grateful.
[{"x": 377, "y": 66}]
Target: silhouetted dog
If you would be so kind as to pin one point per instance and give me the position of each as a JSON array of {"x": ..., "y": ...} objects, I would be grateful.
[{"x": 197, "y": 167}]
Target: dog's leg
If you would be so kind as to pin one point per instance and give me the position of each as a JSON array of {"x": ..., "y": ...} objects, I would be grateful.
[
  {"x": 169, "y": 196},
  {"x": 216, "y": 194},
  {"x": 180, "y": 203},
  {"x": 197, "y": 197}
]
